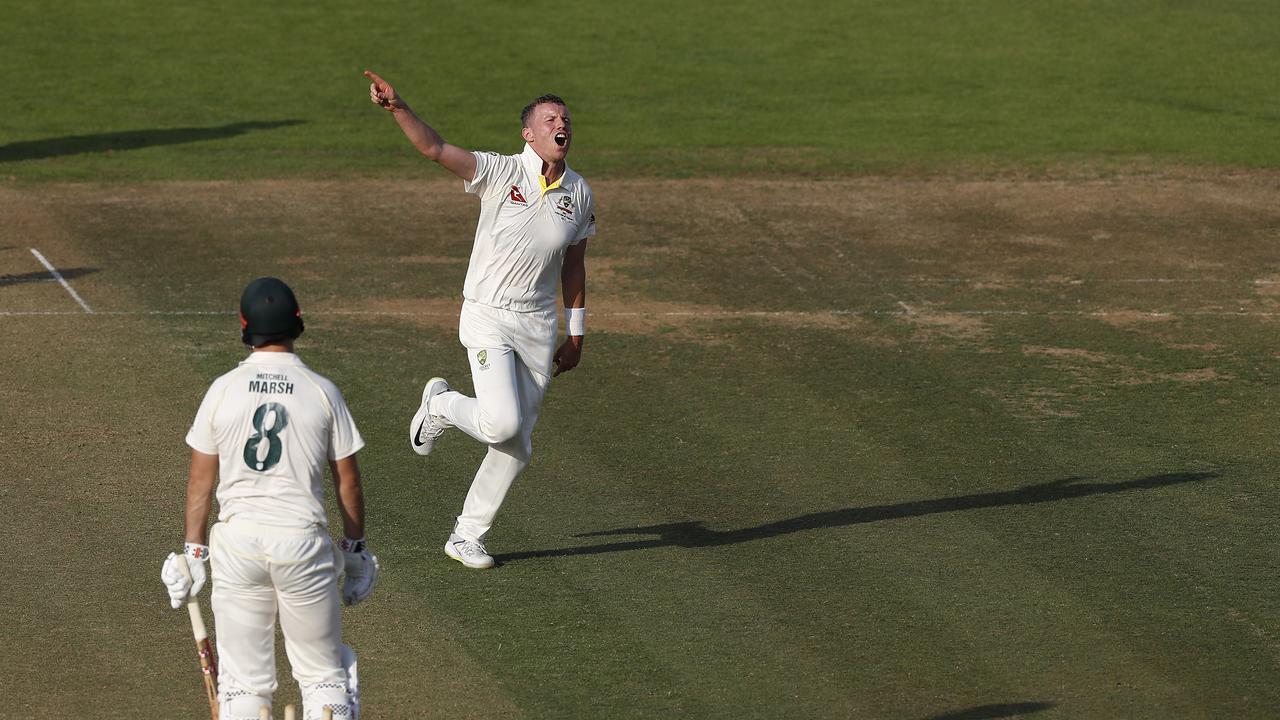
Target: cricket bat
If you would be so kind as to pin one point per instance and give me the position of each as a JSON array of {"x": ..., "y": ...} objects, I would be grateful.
[{"x": 208, "y": 665}]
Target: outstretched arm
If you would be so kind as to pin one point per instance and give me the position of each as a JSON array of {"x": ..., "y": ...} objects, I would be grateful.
[{"x": 454, "y": 159}]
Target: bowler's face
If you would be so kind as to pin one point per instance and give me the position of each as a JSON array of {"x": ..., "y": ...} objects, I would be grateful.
[{"x": 550, "y": 132}]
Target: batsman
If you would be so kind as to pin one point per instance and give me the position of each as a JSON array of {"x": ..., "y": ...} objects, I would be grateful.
[{"x": 263, "y": 435}]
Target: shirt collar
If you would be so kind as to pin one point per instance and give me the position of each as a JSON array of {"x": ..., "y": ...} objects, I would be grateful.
[
  {"x": 532, "y": 162},
  {"x": 272, "y": 358}
]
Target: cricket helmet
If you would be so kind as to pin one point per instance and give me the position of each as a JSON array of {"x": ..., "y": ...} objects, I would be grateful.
[{"x": 269, "y": 313}]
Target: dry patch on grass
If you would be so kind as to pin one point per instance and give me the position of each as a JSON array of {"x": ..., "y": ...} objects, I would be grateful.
[
  {"x": 1267, "y": 286},
  {"x": 820, "y": 254},
  {"x": 1130, "y": 318},
  {"x": 934, "y": 326},
  {"x": 1090, "y": 373},
  {"x": 1066, "y": 353},
  {"x": 1197, "y": 376},
  {"x": 1097, "y": 369},
  {"x": 1035, "y": 403}
]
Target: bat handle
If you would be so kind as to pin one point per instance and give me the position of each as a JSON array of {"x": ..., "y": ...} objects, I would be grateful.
[
  {"x": 193, "y": 606},
  {"x": 183, "y": 567}
]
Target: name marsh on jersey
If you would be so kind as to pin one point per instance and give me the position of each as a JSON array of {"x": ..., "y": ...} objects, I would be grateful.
[{"x": 271, "y": 383}]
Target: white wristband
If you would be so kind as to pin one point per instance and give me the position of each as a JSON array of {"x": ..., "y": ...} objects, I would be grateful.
[{"x": 575, "y": 321}]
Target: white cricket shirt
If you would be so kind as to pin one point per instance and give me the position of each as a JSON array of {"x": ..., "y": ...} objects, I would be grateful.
[
  {"x": 274, "y": 424},
  {"x": 523, "y": 232}
]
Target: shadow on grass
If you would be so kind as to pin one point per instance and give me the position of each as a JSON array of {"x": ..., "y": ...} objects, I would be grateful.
[
  {"x": 1202, "y": 108},
  {"x": 992, "y": 712},
  {"x": 129, "y": 140},
  {"x": 44, "y": 276},
  {"x": 692, "y": 534}
]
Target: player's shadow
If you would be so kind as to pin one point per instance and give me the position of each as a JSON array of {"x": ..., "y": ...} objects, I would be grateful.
[
  {"x": 692, "y": 534},
  {"x": 44, "y": 276},
  {"x": 996, "y": 711},
  {"x": 130, "y": 140}
]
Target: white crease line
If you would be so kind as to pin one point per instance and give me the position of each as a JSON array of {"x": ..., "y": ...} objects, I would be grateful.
[{"x": 58, "y": 276}]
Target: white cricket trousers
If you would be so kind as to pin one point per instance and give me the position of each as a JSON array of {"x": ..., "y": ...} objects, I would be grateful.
[
  {"x": 257, "y": 571},
  {"x": 510, "y": 355}
]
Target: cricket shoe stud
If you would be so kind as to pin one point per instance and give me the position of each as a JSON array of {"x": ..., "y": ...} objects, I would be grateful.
[
  {"x": 468, "y": 553},
  {"x": 427, "y": 428}
]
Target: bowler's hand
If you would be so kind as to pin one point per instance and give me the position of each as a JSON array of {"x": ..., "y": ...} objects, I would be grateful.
[
  {"x": 381, "y": 93},
  {"x": 568, "y": 354}
]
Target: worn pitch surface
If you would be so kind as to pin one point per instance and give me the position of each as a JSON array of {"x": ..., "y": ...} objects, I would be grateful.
[{"x": 908, "y": 448}]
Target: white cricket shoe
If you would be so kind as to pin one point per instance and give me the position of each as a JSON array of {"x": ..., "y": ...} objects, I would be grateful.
[
  {"x": 426, "y": 428},
  {"x": 468, "y": 553}
]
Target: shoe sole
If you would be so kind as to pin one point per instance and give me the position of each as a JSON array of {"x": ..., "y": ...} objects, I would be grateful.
[
  {"x": 420, "y": 417},
  {"x": 448, "y": 550}
]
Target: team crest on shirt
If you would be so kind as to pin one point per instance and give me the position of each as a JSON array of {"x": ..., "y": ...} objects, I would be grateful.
[
  {"x": 517, "y": 196},
  {"x": 482, "y": 357},
  {"x": 564, "y": 206}
]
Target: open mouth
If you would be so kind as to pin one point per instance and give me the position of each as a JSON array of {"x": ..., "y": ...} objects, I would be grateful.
[{"x": 561, "y": 138}]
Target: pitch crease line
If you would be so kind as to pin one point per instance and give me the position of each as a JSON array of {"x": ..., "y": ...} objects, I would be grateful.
[{"x": 65, "y": 285}]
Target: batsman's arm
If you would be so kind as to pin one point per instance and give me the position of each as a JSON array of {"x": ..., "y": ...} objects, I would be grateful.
[
  {"x": 350, "y": 492},
  {"x": 204, "y": 475},
  {"x": 424, "y": 137}
]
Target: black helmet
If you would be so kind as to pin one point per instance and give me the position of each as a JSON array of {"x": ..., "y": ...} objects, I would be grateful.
[{"x": 269, "y": 313}]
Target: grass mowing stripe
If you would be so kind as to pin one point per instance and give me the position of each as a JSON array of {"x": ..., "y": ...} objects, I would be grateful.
[{"x": 810, "y": 88}]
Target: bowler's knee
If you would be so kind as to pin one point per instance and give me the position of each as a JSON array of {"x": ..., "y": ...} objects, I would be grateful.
[
  {"x": 499, "y": 429},
  {"x": 518, "y": 448}
]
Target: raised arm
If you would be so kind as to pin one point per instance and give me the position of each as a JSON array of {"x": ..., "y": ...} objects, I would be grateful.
[{"x": 454, "y": 159}]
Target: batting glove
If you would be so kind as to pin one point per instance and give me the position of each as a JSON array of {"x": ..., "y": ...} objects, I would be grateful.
[
  {"x": 361, "y": 570},
  {"x": 181, "y": 587}
]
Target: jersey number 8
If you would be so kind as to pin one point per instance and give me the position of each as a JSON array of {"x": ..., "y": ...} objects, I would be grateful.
[{"x": 269, "y": 420}]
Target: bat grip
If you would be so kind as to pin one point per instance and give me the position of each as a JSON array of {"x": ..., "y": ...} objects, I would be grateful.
[{"x": 193, "y": 605}]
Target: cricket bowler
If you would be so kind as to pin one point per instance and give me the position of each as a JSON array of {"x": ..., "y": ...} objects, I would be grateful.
[{"x": 536, "y": 214}]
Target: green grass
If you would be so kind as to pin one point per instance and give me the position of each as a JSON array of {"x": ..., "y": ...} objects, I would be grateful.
[
  {"x": 1058, "y": 512},
  {"x": 869, "y": 437},
  {"x": 126, "y": 90}
]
